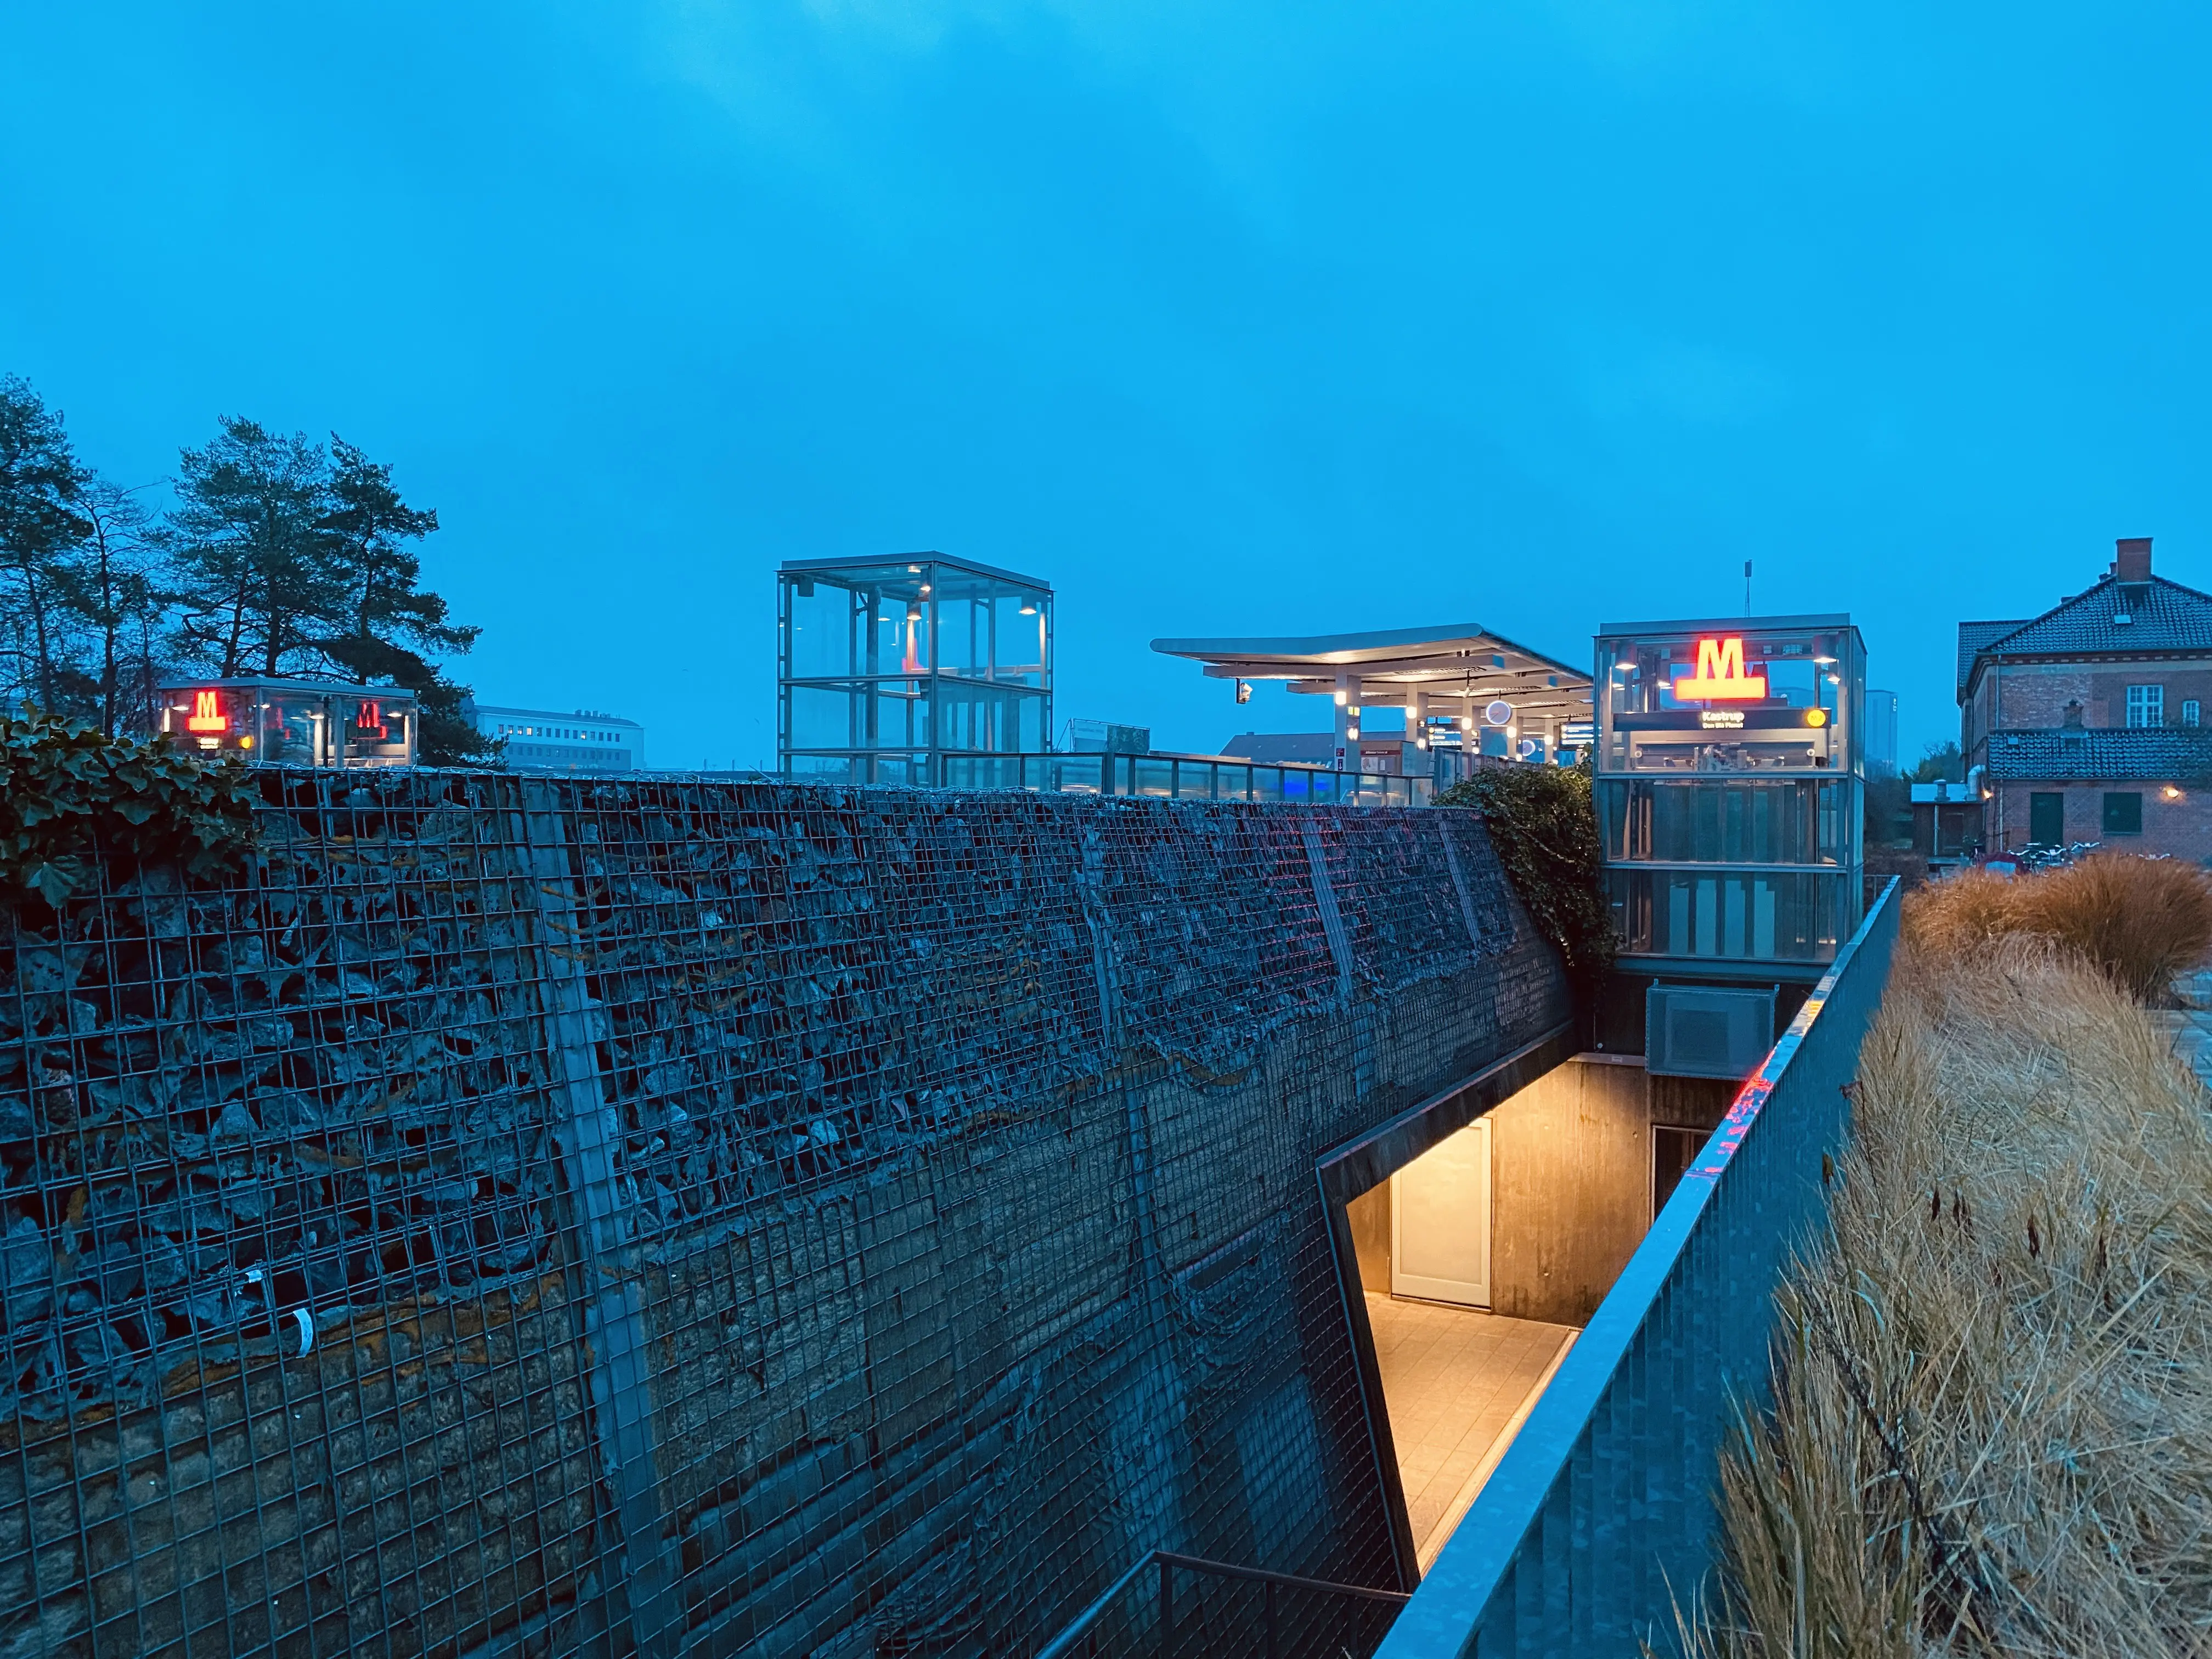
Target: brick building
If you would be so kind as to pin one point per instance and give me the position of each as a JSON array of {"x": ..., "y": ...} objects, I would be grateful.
[{"x": 2086, "y": 723}]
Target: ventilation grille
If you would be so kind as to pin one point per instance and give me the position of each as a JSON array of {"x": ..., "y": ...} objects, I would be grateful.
[{"x": 1698, "y": 1032}]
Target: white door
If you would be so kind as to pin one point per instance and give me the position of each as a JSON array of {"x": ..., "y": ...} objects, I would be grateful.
[{"x": 1440, "y": 1221}]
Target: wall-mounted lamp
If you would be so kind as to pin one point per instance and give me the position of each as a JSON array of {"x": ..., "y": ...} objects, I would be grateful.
[
  {"x": 1342, "y": 698},
  {"x": 2171, "y": 793}
]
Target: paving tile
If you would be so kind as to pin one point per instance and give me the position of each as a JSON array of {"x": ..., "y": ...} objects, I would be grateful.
[{"x": 1452, "y": 1379}]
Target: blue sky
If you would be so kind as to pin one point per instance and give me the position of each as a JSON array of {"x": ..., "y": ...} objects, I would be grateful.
[{"x": 1267, "y": 317}]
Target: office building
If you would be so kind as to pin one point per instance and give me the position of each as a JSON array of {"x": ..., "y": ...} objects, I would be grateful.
[{"x": 548, "y": 740}]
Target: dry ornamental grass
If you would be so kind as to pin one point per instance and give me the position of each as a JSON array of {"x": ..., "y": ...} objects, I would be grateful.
[
  {"x": 2141, "y": 920},
  {"x": 1992, "y": 1429}
]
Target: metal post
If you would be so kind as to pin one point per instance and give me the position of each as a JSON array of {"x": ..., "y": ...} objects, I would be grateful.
[
  {"x": 1270, "y": 1589},
  {"x": 1167, "y": 1608}
]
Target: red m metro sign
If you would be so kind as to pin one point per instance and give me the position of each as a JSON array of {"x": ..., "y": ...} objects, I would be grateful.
[
  {"x": 207, "y": 714},
  {"x": 1720, "y": 677}
]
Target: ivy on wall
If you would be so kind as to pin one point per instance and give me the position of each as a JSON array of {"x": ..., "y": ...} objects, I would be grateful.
[
  {"x": 72, "y": 799},
  {"x": 1543, "y": 821}
]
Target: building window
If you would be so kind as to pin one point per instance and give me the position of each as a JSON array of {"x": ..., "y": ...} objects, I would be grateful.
[
  {"x": 2192, "y": 712},
  {"x": 2145, "y": 705},
  {"x": 2123, "y": 812}
]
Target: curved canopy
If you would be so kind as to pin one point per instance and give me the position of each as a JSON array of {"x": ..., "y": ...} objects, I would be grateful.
[{"x": 1461, "y": 664}]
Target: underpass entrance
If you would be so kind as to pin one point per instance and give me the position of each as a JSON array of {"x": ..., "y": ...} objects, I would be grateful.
[{"x": 1476, "y": 1234}]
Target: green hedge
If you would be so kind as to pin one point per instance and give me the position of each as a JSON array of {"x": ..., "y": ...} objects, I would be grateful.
[{"x": 1544, "y": 825}]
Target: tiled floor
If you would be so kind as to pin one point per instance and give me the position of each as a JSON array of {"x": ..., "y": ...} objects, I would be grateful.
[{"x": 1456, "y": 1382}]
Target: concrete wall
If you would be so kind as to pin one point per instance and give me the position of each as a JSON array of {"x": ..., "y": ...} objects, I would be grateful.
[
  {"x": 1571, "y": 1189},
  {"x": 1571, "y": 1184},
  {"x": 535, "y": 1216}
]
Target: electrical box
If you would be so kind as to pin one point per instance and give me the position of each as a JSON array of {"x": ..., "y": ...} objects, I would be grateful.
[{"x": 1698, "y": 1031}]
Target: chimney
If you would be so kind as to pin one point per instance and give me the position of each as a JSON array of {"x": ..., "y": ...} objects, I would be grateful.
[{"x": 2133, "y": 562}]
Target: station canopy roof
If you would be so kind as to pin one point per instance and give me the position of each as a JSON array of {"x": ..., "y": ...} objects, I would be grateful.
[{"x": 1465, "y": 663}]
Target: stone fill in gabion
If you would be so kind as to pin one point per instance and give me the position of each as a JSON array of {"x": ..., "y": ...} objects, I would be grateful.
[{"x": 523, "y": 1217}]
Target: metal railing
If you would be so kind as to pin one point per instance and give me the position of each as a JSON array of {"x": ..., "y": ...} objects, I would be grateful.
[
  {"x": 1599, "y": 1522},
  {"x": 1181, "y": 777},
  {"x": 1174, "y": 1635}
]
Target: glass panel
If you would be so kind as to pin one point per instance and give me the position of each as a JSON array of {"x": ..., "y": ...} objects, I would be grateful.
[
  {"x": 1803, "y": 821},
  {"x": 1728, "y": 915},
  {"x": 822, "y": 717},
  {"x": 1022, "y": 619},
  {"x": 1721, "y": 703},
  {"x": 864, "y": 620},
  {"x": 374, "y": 729},
  {"x": 290, "y": 723},
  {"x": 963, "y": 635}
]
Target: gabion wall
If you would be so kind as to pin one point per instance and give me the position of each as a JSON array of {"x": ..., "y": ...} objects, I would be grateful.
[{"x": 540, "y": 1218}]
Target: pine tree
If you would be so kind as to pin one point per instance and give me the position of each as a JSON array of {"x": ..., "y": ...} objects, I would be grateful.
[
  {"x": 393, "y": 621},
  {"x": 40, "y": 527},
  {"x": 261, "y": 578}
]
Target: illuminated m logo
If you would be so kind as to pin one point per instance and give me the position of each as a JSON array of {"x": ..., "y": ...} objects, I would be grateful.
[
  {"x": 1720, "y": 677},
  {"x": 207, "y": 714}
]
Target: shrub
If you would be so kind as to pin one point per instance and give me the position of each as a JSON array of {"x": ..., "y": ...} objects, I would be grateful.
[
  {"x": 2140, "y": 921},
  {"x": 1544, "y": 825},
  {"x": 72, "y": 799}
]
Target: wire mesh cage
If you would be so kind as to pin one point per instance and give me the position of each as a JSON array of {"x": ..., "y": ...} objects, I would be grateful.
[{"x": 534, "y": 1217}]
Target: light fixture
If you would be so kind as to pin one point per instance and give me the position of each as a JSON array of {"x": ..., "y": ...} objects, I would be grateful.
[
  {"x": 913, "y": 570},
  {"x": 1816, "y": 717},
  {"x": 1343, "y": 697},
  {"x": 2171, "y": 793},
  {"x": 925, "y": 587},
  {"x": 1466, "y": 722},
  {"x": 1352, "y": 731},
  {"x": 1028, "y": 608}
]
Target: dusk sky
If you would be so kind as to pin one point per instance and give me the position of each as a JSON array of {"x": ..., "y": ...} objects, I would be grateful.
[{"x": 1259, "y": 318}]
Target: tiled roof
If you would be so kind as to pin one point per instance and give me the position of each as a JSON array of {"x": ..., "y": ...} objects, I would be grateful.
[
  {"x": 2158, "y": 754},
  {"x": 2163, "y": 616},
  {"x": 1972, "y": 636}
]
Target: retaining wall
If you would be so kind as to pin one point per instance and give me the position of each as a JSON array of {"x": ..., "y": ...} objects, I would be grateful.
[{"x": 537, "y": 1216}]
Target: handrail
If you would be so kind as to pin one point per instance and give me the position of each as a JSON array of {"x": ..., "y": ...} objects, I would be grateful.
[
  {"x": 1167, "y": 1561},
  {"x": 1599, "y": 1520},
  {"x": 1160, "y": 774}
]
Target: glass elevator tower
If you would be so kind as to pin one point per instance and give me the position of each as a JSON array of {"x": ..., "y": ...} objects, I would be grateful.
[
  {"x": 886, "y": 666},
  {"x": 1730, "y": 770}
]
